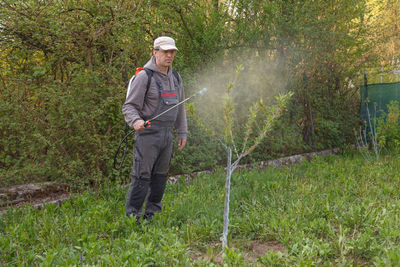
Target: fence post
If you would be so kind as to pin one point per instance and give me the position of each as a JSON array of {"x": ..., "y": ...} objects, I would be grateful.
[
  {"x": 393, "y": 71},
  {"x": 366, "y": 84}
]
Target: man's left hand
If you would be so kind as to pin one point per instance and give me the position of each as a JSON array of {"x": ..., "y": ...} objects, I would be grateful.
[{"x": 181, "y": 143}]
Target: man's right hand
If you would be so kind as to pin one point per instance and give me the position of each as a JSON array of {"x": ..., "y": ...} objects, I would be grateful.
[{"x": 138, "y": 126}]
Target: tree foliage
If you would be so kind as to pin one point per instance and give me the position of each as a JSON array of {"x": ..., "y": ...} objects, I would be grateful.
[{"x": 64, "y": 65}]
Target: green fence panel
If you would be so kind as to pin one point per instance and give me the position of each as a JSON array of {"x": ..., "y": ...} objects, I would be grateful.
[{"x": 378, "y": 95}]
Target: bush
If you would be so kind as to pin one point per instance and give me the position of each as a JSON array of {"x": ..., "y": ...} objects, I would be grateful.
[
  {"x": 388, "y": 129},
  {"x": 201, "y": 152},
  {"x": 58, "y": 131}
]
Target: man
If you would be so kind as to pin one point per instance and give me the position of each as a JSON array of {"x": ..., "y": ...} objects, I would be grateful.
[{"x": 153, "y": 143}]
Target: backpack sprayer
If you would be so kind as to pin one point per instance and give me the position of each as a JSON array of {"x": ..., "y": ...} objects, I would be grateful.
[{"x": 147, "y": 124}]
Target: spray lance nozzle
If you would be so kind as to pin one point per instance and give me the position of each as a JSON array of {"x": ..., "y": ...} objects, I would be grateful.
[{"x": 202, "y": 91}]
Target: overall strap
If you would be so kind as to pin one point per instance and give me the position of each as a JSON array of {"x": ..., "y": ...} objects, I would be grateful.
[
  {"x": 149, "y": 73},
  {"x": 159, "y": 83},
  {"x": 175, "y": 73}
]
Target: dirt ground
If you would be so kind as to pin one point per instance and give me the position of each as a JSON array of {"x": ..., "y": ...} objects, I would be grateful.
[{"x": 252, "y": 250}]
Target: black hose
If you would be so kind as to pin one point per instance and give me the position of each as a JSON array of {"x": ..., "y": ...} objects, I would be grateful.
[{"x": 125, "y": 139}]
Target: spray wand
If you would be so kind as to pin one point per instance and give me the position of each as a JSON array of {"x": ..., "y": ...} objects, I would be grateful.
[
  {"x": 200, "y": 93},
  {"x": 147, "y": 124}
]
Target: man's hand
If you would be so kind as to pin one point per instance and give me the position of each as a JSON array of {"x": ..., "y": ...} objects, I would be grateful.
[
  {"x": 138, "y": 126},
  {"x": 181, "y": 143}
]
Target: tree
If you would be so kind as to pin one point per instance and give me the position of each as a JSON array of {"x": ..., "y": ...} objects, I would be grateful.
[{"x": 259, "y": 123}]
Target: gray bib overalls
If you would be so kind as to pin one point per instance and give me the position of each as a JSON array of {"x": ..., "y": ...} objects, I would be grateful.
[{"x": 152, "y": 156}]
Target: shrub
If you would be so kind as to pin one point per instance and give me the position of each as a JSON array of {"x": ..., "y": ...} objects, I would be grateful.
[
  {"x": 388, "y": 129},
  {"x": 201, "y": 151},
  {"x": 58, "y": 131}
]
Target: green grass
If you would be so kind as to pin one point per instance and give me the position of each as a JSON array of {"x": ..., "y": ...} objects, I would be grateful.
[{"x": 336, "y": 210}]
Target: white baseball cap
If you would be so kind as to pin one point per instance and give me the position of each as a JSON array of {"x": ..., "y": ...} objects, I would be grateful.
[{"x": 164, "y": 43}]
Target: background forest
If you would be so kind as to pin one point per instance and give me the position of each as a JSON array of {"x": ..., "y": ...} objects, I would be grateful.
[{"x": 65, "y": 64}]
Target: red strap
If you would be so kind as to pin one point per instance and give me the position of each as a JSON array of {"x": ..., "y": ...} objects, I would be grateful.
[
  {"x": 138, "y": 70},
  {"x": 169, "y": 95}
]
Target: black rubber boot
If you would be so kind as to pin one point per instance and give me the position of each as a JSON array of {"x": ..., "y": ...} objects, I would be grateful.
[{"x": 148, "y": 216}]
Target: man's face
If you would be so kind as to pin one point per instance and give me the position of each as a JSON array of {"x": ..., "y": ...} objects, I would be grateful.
[{"x": 164, "y": 58}]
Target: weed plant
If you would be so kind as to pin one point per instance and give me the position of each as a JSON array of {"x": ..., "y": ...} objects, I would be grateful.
[{"x": 338, "y": 210}]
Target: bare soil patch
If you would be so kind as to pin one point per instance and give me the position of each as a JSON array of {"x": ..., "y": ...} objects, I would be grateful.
[
  {"x": 251, "y": 251},
  {"x": 259, "y": 248}
]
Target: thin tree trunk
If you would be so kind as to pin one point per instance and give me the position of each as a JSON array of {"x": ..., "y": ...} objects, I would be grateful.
[{"x": 227, "y": 195}]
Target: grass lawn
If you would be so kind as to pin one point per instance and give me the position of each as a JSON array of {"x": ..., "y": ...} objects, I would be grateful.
[{"x": 336, "y": 210}]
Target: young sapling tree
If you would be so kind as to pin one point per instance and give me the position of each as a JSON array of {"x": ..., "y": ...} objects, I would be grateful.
[{"x": 260, "y": 117}]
